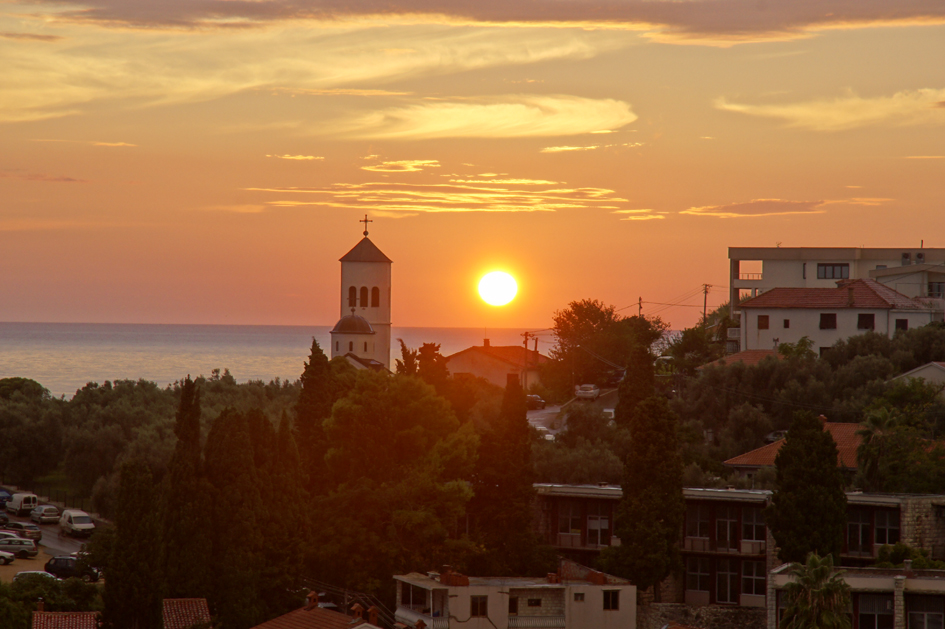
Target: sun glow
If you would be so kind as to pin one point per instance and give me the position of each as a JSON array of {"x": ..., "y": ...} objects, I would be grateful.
[{"x": 497, "y": 288}]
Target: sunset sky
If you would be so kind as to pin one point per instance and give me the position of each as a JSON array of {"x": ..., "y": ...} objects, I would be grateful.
[{"x": 207, "y": 161}]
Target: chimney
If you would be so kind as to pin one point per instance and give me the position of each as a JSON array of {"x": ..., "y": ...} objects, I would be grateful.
[
  {"x": 372, "y": 615},
  {"x": 40, "y": 606},
  {"x": 357, "y": 610},
  {"x": 485, "y": 342},
  {"x": 420, "y": 624},
  {"x": 311, "y": 600},
  {"x": 823, "y": 419}
]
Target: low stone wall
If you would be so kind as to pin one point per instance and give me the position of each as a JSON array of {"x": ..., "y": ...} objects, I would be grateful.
[{"x": 657, "y": 615}]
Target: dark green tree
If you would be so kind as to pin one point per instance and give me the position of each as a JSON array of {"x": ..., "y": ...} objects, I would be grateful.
[
  {"x": 651, "y": 512},
  {"x": 638, "y": 384},
  {"x": 185, "y": 526},
  {"x": 431, "y": 366},
  {"x": 808, "y": 510},
  {"x": 818, "y": 597},
  {"x": 131, "y": 599},
  {"x": 501, "y": 508},
  {"x": 408, "y": 365},
  {"x": 318, "y": 394}
]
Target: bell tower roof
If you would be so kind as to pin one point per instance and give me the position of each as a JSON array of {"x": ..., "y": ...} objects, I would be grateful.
[{"x": 365, "y": 251}]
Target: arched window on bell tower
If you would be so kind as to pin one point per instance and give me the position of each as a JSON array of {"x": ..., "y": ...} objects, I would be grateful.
[
  {"x": 364, "y": 303},
  {"x": 375, "y": 297},
  {"x": 352, "y": 297}
]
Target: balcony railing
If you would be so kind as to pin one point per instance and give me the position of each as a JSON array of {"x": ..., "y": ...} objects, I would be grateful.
[
  {"x": 749, "y": 276},
  {"x": 734, "y": 333},
  {"x": 542, "y": 622},
  {"x": 704, "y": 544}
]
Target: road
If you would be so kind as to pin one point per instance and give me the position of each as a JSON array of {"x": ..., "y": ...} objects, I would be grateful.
[
  {"x": 52, "y": 542},
  {"x": 545, "y": 418}
]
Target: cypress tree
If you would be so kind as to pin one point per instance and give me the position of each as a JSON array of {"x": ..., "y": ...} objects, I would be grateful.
[
  {"x": 314, "y": 406},
  {"x": 185, "y": 527},
  {"x": 651, "y": 512},
  {"x": 638, "y": 384},
  {"x": 131, "y": 599},
  {"x": 808, "y": 510}
]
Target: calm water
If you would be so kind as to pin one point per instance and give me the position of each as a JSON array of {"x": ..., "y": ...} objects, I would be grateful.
[{"x": 63, "y": 357}]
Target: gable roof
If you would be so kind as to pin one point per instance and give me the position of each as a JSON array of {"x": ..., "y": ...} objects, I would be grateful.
[
  {"x": 183, "y": 613},
  {"x": 65, "y": 620},
  {"x": 314, "y": 617},
  {"x": 749, "y": 357},
  {"x": 843, "y": 434},
  {"x": 935, "y": 365},
  {"x": 855, "y": 294},
  {"x": 515, "y": 355},
  {"x": 365, "y": 251}
]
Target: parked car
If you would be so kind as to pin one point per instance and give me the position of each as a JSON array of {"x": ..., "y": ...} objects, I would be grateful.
[
  {"x": 6, "y": 533},
  {"x": 3, "y": 519},
  {"x": 534, "y": 402},
  {"x": 587, "y": 391},
  {"x": 25, "y": 529},
  {"x": 6, "y": 558},
  {"x": 66, "y": 567},
  {"x": 4, "y": 497},
  {"x": 45, "y": 514},
  {"x": 19, "y": 546},
  {"x": 76, "y": 523},
  {"x": 26, "y": 574},
  {"x": 21, "y": 504}
]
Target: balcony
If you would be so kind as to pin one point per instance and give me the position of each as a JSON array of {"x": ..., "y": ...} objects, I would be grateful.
[
  {"x": 410, "y": 617},
  {"x": 750, "y": 547},
  {"x": 749, "y": 276},
  {"x": 734, "y": 334},
  {"x": 706, "y": 545},
  {"x": 543, "y": 622}
]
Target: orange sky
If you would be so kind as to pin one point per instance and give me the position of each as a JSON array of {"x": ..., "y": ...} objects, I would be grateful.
[{"x": 207, "y": 161}]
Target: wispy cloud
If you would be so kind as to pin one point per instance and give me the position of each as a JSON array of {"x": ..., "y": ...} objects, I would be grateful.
[
  {"x": 336, "y": 91},
  {"x": 517, "y": 182},
  {"x": 297, "y": 157},
  {"x": 91, "y": 142},
  {"x": 236, "y": 209},
  {"x": 505, "y": 117},
  {"x": 569, "y": 149},
  {"x": 403, "y": 166},
  {"x": 851, "y": 111},
  {"x": 644, "y": 214},
  {"x": 11, "y": 174},
  {"x": 444, "y": 197},
  {"x": 758, "y": 207},
  {"x": 32, "y": 37},
  {"x": 924, "y": 157}
]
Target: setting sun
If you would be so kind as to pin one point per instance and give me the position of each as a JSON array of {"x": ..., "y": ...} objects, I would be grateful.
[{"x": 497, "y": 288}]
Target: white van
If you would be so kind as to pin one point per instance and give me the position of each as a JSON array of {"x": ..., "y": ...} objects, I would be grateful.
[
  {"x": 21, "y": 504},
  {"x": 76, "y": 523}
]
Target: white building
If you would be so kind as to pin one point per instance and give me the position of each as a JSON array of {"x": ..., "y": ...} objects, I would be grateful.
[
  {"x": 573, "y": 598},
  {"x": 827, "y": 315},
  {"x": 363, "y": 332}
]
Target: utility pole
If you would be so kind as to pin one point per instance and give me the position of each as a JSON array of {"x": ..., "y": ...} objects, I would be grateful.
[
  {"x": 525, "y": 371},
  {"x": 705, "y": 301},
  {"x": 639, "y": 306}
]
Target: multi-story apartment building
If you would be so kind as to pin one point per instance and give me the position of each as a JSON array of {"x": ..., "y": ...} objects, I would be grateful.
[
  {"x": 575, "y": 597},
  {"x": 727, "y": 550}
]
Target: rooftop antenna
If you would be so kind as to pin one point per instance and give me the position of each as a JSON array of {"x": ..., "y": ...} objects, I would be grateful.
[{"x": 366, "y": 221}]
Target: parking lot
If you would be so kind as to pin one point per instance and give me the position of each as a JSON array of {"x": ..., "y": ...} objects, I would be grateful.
[{"x": 50, "y": 546}]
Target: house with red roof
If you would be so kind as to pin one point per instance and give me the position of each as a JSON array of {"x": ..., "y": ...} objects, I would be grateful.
[
  {"x": 828, "y": 315},
  {"x": 844, "y": 435},
  {"x": 185, "y": 613},
  {"x": 312, "y": 616},
  {"x": 496, "y": 362},
  {"x": 65, "y": 620}
]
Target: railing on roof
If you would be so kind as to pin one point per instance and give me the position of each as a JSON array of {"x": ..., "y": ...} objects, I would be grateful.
[
  {"x": 350, "y": 597},
  {"x": 749, "y": 276},
  {"x": 541, "y": 622}
]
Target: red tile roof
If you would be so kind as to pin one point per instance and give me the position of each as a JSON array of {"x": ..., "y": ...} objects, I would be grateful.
[
  {"x": 860, "y": 294},
  {"x": 65, "y": 620},
  {"x": 313, "y": 618},
  {"x": 843, "y": 434},
  {"x": 749, "y": 357},
  {"x": 512, "y": 354},
  {"x": 184, "y": 613}
]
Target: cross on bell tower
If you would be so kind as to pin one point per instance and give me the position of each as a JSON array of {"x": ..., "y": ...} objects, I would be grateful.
[{"x": 365, "y": 221}]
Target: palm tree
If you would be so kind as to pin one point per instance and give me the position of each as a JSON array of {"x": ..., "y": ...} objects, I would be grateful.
[
  {"x": 875, "y": 432},
  {"x": 818, "y": 597}
]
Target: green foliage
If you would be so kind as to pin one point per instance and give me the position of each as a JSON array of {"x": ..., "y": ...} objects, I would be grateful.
[
  {"x": 895, "y": 556},
  {"x": 578, "y": 463},
  {"x": 18, "y": 599},
  {"x": 651, "y": 512},
  {"x": 319, "y": 391},
  {"x": 432, "y": 367},
  {"x": 808, "y": 509},
  {"x": 407, "y": 366},
  {"x": 23, "y": 387},
  {"x": 801, "y": 350},
  {"x": 638, "y": 384},
  {"x": 693, "y": 348},
  {"x": 817, "y": 597}
]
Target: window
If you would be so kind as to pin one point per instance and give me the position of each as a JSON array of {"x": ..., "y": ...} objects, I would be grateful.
[
  {"x": 579, "y": 597},
  {"x": 697, "y": 521},
  {"x": 887, "y": 527},
  {"x": 726, "y": 528},
  {"x": 858, "y": 532},
  {"x": 352, "y": 297},
  {"x": 611, "y": 600},
  {"x": 804, "y": 271},
  {"x": 937, "y": 289},
  {"x": 375, "y": 297},
  {"x": 365, "y": 346},
  {"x": 875, "y": 611},
  {"x": 598, "y": 524},
  {"x": 726, "y": 582},
  {"x": 534, "y": 602},
  {"x": 753, "y": 578},
  {"x": 336, "y": 345},
  {"x": 866, "y": 322},
  {"x": 753, "y": 524},
  {"x": 833, "y": 271},
  {"x": 925, "y": 612},
  {"x": 569, "y": 517},
  {"x": 902, "y": 324},
  {"x": 787, "y": 324},
  {"x": 478, "y": 606},
  {"x": 762, "y": 322},
  {"x": 364, "y": 296},
  {"x": 828, "y": 320},
  {"x": 697, "y": 574},
  {"x": 350, "y": 346},
  {"x": 513, "y": 606}
]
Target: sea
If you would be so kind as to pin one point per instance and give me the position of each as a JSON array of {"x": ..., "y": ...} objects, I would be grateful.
[{"x": 64, "y": 357}]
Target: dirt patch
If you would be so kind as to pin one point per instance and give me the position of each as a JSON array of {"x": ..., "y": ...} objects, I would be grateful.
[{"x": 23, "y": 565}]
